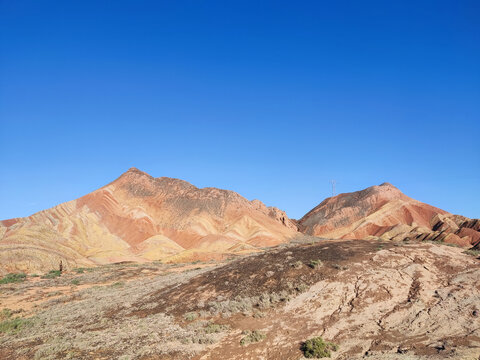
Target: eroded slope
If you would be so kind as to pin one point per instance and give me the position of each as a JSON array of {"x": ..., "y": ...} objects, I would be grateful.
[
  {"x": 141, "y": 218},
  {"x": 384, "y": 211}
]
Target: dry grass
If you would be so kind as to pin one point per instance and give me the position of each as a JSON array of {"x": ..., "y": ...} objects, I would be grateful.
[{"x": 252, "y": 336}]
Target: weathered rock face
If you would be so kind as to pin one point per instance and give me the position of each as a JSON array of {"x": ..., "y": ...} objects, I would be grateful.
[
  {"x": 138, "y": 217},
  {"x": 384, "y": 211}
]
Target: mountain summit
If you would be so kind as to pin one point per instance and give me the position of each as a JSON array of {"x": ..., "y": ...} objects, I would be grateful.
[
  {"x": 138, "y": 217},
  {"x": 384, "y": 211}
]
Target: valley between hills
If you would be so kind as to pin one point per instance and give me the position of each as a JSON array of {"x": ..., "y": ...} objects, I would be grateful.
[{"x": 156, "y": 268}]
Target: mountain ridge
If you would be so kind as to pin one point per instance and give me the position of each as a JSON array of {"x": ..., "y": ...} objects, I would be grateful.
[
  {"x": 114, "y": 222},
  {"x": 138, "y": 217}
]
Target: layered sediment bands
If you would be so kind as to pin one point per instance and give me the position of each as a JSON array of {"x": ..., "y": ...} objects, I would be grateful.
[
  {"x": 138, "y": 217},
  {"x": 141, "y": 218},
  {"x": 384, "y": 211}
]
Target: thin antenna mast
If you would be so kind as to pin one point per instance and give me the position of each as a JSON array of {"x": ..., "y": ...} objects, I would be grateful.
[{"x": 333, "y": 182}]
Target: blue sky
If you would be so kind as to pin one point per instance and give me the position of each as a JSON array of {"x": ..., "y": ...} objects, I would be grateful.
[{"x": 271, "y": 99}]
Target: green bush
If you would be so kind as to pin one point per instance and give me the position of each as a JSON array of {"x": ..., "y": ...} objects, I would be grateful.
[
  {"x": 252, "y": 337},
  {"x": 52, "y": 274},
  {"x": 13, "y": 278},
  {"x": 75, "y": 282},
  {"x": 79, "y": 270},
  {"x": 318, "y": 348}
]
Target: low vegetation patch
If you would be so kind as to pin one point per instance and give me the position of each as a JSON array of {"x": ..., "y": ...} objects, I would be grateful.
[
  {"x": 452, "y": 245},
  {"x": 191, "y": 316},
  {"x": 6, "y": 314},
  {"x": 297, "y": 265},
  {"x": 472, "y": 252},
  {"x": 11, "y": 325},
  {"x": 315, "y": 264},
  {"x": 318, "y": 348},
  {"x": 79, "y": 270},
  {"x": 254, "y": 304},
  {"x": 252, "y": 337},
  {"x": 52, "y": 274},
  {"x": 13, "y": 278},
  {"x": 212, "y": 328}
]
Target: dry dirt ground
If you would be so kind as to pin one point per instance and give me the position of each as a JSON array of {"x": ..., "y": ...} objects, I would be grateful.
[{"x": 376, "y": 300}]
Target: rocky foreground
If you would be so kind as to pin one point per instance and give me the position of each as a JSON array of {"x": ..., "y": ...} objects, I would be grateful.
[{"x": 374, "y": 299}]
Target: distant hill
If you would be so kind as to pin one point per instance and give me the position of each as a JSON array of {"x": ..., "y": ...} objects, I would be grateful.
[{"x": 384, "y": 211}]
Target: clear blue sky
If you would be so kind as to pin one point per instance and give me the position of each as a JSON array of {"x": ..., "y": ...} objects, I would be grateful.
[{"x": 271, "y": 99}]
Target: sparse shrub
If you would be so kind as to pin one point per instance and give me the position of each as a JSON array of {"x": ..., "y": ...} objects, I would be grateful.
[
  {"x": 297, "y": 265},
  {"x": 337, "y": 267},
  {"x": 13, "y": 278},
  {"x": 315, "y": 264},
  {"x": 79, "y": 270},
  {"x": 212, "y": 328},
  {"x": 199, "y": 339},
  {"x": 52, "y": 274},
  {"x": 34, "y": 275},
  {"x": 301, "y": 287},
  {"x": 472, "y": 252},
  {"x": 118, "y": 284},
  {"x": 252, "y": 337},
  {"x": 318, "y": 348},
  {"x": 13, "y": 325},
  {"x": 6, "y": 314},
  {"x": 191, "y": 316},
  {"x": 75, "y": 282}
]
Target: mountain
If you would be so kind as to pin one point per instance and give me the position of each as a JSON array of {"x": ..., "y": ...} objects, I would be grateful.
[
  {"x": 384, "y": 211},
  {"x": 139, "y": 218}
]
